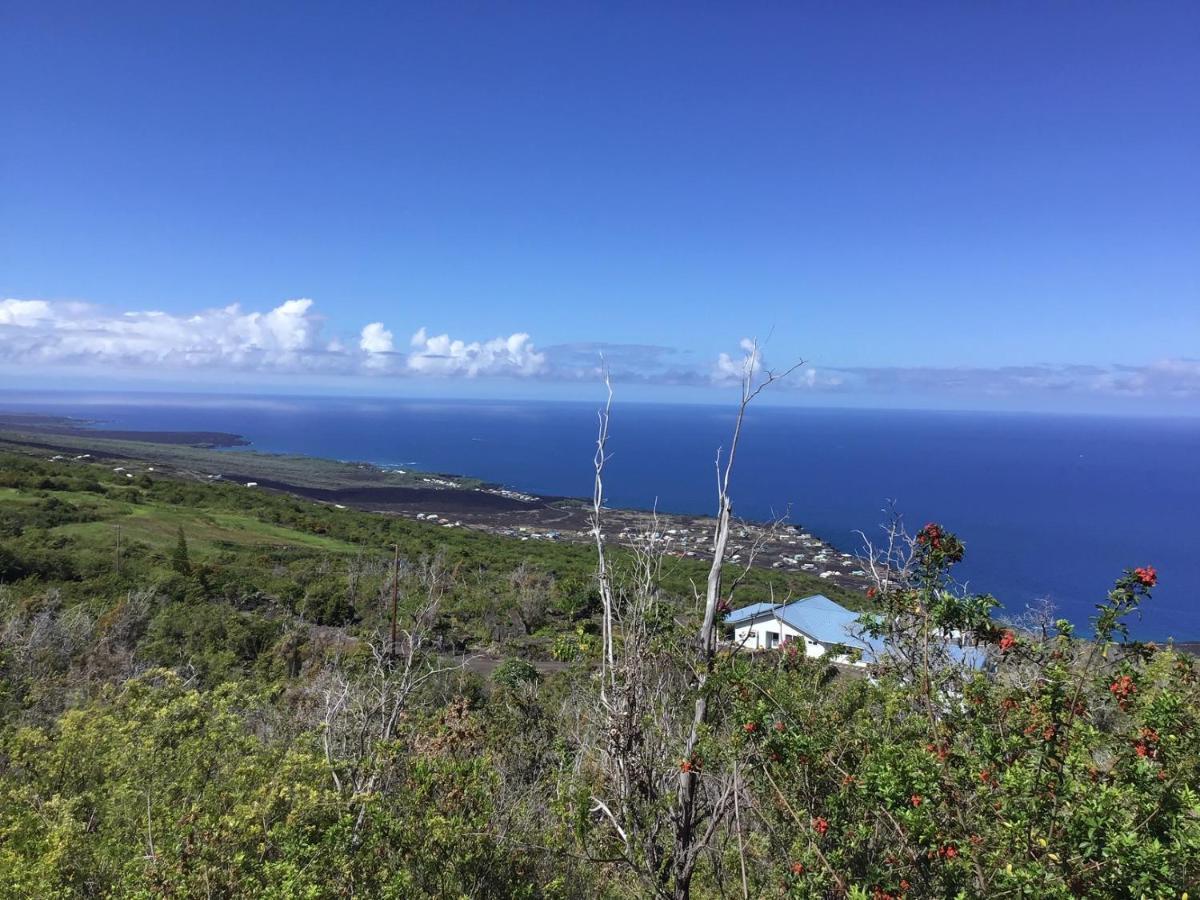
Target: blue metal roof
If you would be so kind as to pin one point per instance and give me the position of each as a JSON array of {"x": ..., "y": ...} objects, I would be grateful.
[
  {"x": 750, "y": 612},
  {"x": 822, "y": 619},
  {"x": 831, "y": 623},
  {"x": 817, "y": 616}
]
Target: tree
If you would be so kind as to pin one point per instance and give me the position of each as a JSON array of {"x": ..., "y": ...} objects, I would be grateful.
[
  {"x": 663, "y": 798},
  {"x": 180, "y": 561}
]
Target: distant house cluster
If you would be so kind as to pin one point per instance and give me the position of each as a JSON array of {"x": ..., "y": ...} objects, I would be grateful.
[{"x": 816, "y": 623}]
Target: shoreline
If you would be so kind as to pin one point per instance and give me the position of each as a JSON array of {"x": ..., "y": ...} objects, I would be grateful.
[
  {"x": 444, "y": 500},
  {"x": 434, "y": 498}
]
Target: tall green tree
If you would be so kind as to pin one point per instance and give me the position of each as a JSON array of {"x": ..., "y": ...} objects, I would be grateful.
[{"x": 180, "y": 561}]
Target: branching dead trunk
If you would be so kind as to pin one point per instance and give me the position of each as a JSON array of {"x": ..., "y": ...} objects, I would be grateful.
[{"x": 664, "y": 816}]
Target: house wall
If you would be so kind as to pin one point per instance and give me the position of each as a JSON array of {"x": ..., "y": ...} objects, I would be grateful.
[{"x": 756, "y": 635}]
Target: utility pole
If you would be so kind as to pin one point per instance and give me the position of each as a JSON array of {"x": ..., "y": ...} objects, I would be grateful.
[{"x": 395, "y": 592}]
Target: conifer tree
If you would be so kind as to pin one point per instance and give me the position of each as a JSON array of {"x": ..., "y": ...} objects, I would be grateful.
[{"x": 180, "y": 561}]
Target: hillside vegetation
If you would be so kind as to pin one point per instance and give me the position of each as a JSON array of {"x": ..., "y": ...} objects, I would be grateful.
[{"x": 204, "y": 694}]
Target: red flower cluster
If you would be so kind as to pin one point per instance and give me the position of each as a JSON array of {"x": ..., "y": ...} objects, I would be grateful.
[
  {"x": 948, "y": 852},
  {"x": 820, "y": 825},
  {"x": 797, "y": 868},
  {"x": 1122, "y": 689},
  {"x": 750, "y": 727},
  {"x": 871, "y": 592},
  {"x": 1146, "y": 576},
  {"x": 931, "y": 534},
  {"x": 915, "y": 800},
  {"x": 1007, "y": 641},
  {"x": 1147, "y": 747},
  {"x": 691, "y": 765}
]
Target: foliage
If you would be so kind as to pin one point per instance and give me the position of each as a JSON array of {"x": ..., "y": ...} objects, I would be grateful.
[{"x": 243, "y": 725}]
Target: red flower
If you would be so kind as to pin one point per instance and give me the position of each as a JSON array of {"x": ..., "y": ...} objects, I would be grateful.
[
  {"x": 1146, "y": 576},
  {"x": 949, "y": 851},
  {"x": 685, "y": 766},
  {"x": 1007, "y": 641},
  {"x": 1140, "y": 749},
  {"x": 797, "y": 868},
  {"x": 904, "y": 885},
  {"x": 915, "y": 799},
  {"x": 985, "y": 776},
  {"x": 750, "y": 727},
  {"x": 820, "y": 825},
  {"x": 779, "y": 726},
  {"x": 871, "y": 592},
  {"x": 1121, "y": 689}
]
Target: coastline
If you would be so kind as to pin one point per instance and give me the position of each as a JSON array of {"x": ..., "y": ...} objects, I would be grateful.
[
  {"x": 440, "y": 499},
  {"x": 454, "y": 501}
]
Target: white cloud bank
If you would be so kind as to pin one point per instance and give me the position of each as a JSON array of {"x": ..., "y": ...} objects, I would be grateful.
[
  {"x": 284, "y": 339},
  {"x": 41, "y": 334},
  {"x": 440, "y": 355}
]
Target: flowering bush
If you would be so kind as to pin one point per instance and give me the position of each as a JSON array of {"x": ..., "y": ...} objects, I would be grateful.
[{"x": 1054, "y": 766}]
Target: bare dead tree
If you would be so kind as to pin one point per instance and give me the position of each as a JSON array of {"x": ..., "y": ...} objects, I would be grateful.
[
  {"x": 364, "y": 704},
  {"x": 663, "y": 816},
  {"x": 889, "y": 563},
  {"x": 603, "y": 576}
]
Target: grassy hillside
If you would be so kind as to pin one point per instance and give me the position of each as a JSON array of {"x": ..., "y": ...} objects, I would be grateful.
[{"x": 95, "y": 532}]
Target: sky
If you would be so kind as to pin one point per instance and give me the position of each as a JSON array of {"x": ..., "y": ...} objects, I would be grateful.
[{"x": 936, "y": 205}]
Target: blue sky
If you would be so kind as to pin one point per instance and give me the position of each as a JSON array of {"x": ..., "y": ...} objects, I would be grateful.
[{"x": 936, "y": 204}]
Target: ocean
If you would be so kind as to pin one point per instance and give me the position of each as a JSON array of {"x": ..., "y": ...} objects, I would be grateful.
[{"x": 1051, "y": 508}]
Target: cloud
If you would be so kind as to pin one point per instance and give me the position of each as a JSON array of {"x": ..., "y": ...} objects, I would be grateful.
[
  {"x": 289, "y": 338},
  {"x": 286, "y": 338},
  {"x": 375, "y": 339},
  {"x": 1166, "y": 378},
  {"x": 626, "y": 363},
  {"x": 441, "y": 355},
  {"x": 24, "y": 313},
  {"x": 37, "y": 331},
  {"x": 729, "y": 369}
]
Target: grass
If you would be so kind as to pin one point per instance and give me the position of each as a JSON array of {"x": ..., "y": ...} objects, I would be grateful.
[
  {"x": 196, "y": 462},
  {"x": 158, "y": 525}
]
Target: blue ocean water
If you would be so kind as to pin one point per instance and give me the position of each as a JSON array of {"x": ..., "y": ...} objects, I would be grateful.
[{"x": 1050, "y": 507}]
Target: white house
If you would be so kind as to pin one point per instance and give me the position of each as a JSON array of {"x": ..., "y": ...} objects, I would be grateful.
[{"x": 816, "y": 623}]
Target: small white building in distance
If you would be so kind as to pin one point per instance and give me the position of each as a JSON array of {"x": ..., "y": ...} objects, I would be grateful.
[{"x": 816, "y": 623}]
